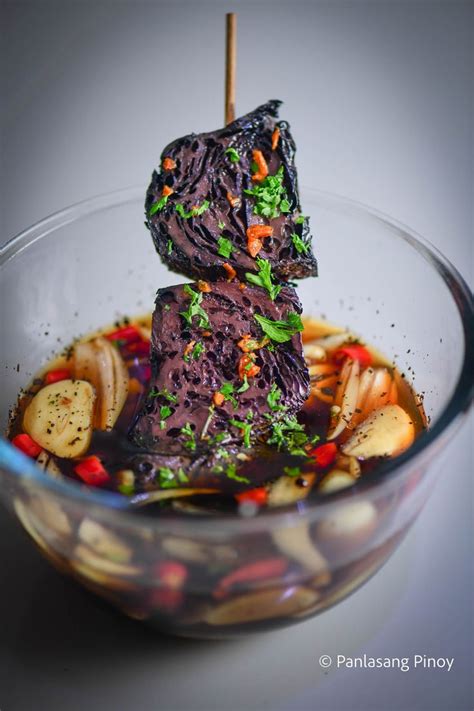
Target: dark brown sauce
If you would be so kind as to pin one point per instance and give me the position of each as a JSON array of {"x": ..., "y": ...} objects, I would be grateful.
[{"x": 264, "y": 465}]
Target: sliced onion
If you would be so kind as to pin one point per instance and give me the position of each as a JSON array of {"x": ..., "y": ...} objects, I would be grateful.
[
  {"x": 99, "y": 362},
  {"x": 346, "y": 397}
]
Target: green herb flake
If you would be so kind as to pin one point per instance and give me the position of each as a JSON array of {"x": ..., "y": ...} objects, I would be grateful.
[
  {"x": 231, "y": 473},
  {"x": 280, "y": 331},
  {"x": 292, "y": 471},
  {"x": 126, "y": 489},
  {"x": 273, "y": 398},
  {"x": 158, "y": 206},
  {"x": 165, "y": 412},
  {"x": 245, "y": 428},
  {"x": 224, "y": 247},
  {"x": 190, "y": 437},
  {"x": 290, "y": 435},
  {"x": 221, "y": 225},
  {"x": 299, "y": 244},
  {"x": 169, "y": 246},
  {"x": 195, "y": 308},
  {"x": 164, "y": 393},
  {"x": 270, "y": 195},
  {"x": 166, "y": 478},
  {"x": 193, "y": 212},
  {"x": 182, "y": 476},
  {"x": 245, "y": 386},
  {"x": 197, "y": 351},
  {"x": 227, "y": 390},
  {"x": 166, "y": 307},
  {"x": 234, "y": 157},
  {"x": 264, "y": 278}
]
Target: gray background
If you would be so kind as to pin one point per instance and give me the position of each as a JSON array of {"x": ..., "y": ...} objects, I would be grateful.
[{"x": 381, "y": 93}]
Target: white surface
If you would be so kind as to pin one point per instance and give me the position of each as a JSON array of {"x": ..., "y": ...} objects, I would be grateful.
[{"x": 381, "y": 94}]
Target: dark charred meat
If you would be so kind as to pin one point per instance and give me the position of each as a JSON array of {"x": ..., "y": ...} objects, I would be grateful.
[
  {"x": 231, "y": 197},
  {"x": 226, "y": 363}
]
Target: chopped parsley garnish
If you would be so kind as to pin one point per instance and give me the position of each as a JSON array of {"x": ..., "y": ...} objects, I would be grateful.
[
  {"x": 190, "y": 437},
  {"x": 164, "y": 393},
  {"x": 182, "y": 476},
  {"x": 290, "y": 435},
  {"x": 234, "y": 157},
  {"x": 299, "y": 244},
  {"x": 157, "y": 206},
  {"x": 195, "y": 308},
  {"x": 292, "y": 471},
  {"x": 264, "y": 278},
  {"x": 231, "y": 473},
  {"x": 280, "y": 331},
  {"x": 245, "y": 428},
  {"x": 169, "y": 246},
  {"x": 196, "y": 352},
  {"x": 299, "y": 220},
  {"x": 273, "y": 397},
  {"x": 221, "y": 225},
  {"x": 167, "y": 478},
  {"x": 165, "y": 412},
  {"x": 245, "y": 386},
  {"x": 167, "y": 307},
  {"x": 126, "y": 489},
  {"x": 193, "y": 212},
  {"x": 224, "y": 247},
  {"x": 270, "y": 196},
  {"x": 227, "y": 390}
]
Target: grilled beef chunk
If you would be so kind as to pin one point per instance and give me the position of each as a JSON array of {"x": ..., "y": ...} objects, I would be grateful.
[
  {"x": 213, "y": 367},
  {"x": 199, "y": 209}
]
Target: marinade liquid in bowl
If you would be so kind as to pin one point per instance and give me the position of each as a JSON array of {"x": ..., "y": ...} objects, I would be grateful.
[{"x": 285, "y": 535}]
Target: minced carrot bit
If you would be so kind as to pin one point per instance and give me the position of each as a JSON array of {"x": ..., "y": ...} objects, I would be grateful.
[
  {"x": 275, "y": 138},
  {"x": 255, "y": 236},
  {"x": 207, "y": 334},
  {"x": 218, "y": 399},
  {"x": 247, "y": 366},
  {"x": 231, "y": 273},
  {"x": 247, "y": 344},
  {"x": 242, "y": 286},
  {"x": 168, "y": 164},
  {"x": 167, "y": 191},
  {"x": 262, "y": 167},
  {"x": 189, "y": 347},
  {"x": 204, "y": 286},
  {"x": 233, "y": 200}
]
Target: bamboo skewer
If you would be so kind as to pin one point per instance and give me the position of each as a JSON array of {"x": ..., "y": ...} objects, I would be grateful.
[{"x": 230, "y": 66}]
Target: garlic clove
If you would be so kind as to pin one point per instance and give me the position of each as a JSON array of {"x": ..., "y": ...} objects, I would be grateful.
[{"x": 387, "y": 432}]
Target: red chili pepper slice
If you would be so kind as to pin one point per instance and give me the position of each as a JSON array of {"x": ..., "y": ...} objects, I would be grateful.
[
  {"x": 92, "y": 471},
  {"x": 27, "y": 445},
  {"x": 354, "y": 352},
  {"x": 260, "y": 570},
  {"x": 54, "y": 376},
  {"x": 129, "y": 334},
  {"x": 324, "y": 455},
  {"x": 257, "y": 496},
  {"x": 171, "y": 573},
  {"x": 139, "y": 348}
]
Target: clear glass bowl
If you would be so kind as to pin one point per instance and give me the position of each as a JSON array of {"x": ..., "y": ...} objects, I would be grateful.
[{"x": 91, "y": 263}]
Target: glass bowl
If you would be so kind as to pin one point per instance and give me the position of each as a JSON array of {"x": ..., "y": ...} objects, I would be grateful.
[{"x": 92, "y": 263}]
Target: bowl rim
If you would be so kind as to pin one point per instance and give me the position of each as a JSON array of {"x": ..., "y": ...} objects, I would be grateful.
[{"x": 15, "y": 462}]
